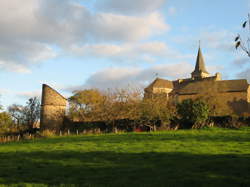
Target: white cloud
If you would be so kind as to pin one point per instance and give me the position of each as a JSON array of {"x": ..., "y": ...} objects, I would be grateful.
[
  {"x": 30, "y": 94},
  {"x": 130, "y": 6},
  {"x": 118, "y": 77},
  {"x": 220, "y": 39},
  {"x": 241, "y": 61},
  {"x": 13, "y": 66},
  {"x": 138, "y": 77},
  {"x": 223, "y": 40},
  {"x": 4, "y": 91},
  {"x": 29, "y": 28},
  {"x": 171, "y": 10},
  {"x": 145, "y": 51},
  {"x": 112, "y": 27},
  {"x": 244, "y": 74}
]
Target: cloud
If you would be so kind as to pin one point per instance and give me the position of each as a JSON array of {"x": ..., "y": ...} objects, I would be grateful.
[
  {"x": 130, "y": 6},
  {"x": 244, "y": 74},
  {"x": 4, "y": 91},
  {"x": 171, "y": 10},
  {"x": 27, "y": 95},
  {"x": 145, "y": 51},
  {"x": 19, "y": 55},
  {"x": 241, "y": 61},
  {"x": 133, "y": 77},
  {"x": 220, "y": 39},
  {"x": 32, "y": 28}
]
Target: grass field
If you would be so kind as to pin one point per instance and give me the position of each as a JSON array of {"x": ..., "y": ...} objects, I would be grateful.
[{"x": 209, "y": 157}]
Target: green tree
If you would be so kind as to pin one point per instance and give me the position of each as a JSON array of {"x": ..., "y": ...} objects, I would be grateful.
[
  {"x": 156, "y": 109},
  {"x": 85, "y": 104},
  {"x": 192, "y": 113}
]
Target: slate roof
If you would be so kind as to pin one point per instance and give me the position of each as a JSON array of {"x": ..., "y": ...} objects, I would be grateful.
[
  {"x": 160, "y": 83},
  {"x": 209, "y": 86}
]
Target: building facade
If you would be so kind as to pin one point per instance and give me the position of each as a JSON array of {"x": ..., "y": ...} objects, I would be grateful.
[{"x": 226, "y": 97}]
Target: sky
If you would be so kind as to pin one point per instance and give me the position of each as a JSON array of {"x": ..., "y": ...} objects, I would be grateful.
[{"x": 81, "y": 44}]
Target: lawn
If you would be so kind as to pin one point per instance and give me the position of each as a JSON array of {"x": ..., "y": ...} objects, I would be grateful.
[{"x": 208, "y": 157}]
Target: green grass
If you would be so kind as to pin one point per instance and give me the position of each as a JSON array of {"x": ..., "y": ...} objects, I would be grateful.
[{"x": 209, "y": 157}]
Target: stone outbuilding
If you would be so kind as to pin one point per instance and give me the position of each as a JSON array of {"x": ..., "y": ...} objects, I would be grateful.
[{"x": 53, "y": 108}]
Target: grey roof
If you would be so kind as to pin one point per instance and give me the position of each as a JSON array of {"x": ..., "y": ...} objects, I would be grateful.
[
  {"x": 210, "y": 86},
  {"x": 160, "y": 83},
  {"x": 200, "y": 64}
]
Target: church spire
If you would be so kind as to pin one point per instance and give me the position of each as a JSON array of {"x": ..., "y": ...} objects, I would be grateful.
[{"x": 200, "y": 69}]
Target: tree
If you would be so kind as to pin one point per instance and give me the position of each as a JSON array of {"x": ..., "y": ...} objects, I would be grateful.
[
  {"x": 84, "y": 104},
  {"x": 5, "y": 122},
  {"x": 239, "y": 42},
  {"x": 121, "y": 104},
  {"x": 192, "y": 113},
  {"x": 16, "y": 112},
  {"x": 156, "y": 109},
  {"x": 32, "y": 112},
  {"x": 28, "y": 115}
]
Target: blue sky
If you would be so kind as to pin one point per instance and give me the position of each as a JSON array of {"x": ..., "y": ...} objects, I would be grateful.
[{"x": 77, "y": 44}]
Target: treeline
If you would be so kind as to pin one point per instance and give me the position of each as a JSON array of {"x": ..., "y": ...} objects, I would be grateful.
[
  {"x": 126, "y": 109},
  {"x": 92, "y": 110}
]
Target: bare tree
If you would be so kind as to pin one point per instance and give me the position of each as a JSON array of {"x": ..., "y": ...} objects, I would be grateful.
[
  {"x": 26, "y": 115},
  {"x": 32, "y": 112},
  {"x": 244, "y": 44},
  {"x": 16, "y": 112}
]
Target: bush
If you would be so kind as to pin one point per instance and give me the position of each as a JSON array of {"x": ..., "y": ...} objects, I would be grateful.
[
  {"x": 192, "y": 113},
  {"x": 48, "y": 133}
]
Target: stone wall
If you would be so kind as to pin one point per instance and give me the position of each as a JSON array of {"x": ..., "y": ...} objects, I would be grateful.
[
  {"x": 226, "y": 103},
  {"x": 53, "y": 108}
]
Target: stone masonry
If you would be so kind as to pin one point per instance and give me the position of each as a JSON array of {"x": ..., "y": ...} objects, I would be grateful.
[{"x": 53, "y": 108}]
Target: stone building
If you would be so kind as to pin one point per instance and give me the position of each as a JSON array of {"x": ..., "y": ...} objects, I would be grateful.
[
  {"x": 53, "y": 108},
  {"x": 226, "y": 97}
]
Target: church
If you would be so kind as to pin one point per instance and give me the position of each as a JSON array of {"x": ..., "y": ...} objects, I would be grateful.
[{"x": 225, "y": 97}]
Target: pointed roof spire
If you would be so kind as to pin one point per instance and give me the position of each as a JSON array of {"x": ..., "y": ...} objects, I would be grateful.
[{"x": 200, "y": 64}]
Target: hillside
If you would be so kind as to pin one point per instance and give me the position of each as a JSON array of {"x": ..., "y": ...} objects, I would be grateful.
[{"x": 210, "y": 157}]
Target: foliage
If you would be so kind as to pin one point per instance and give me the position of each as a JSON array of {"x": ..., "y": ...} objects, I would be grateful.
[
  {"x": 155, "y": 109},
  {"x": 120, "y": 104},
  {"x": 26, "y": 116},
  {"x": 85, "y": 103},
  {"x": 207, "y": 157},
  {"x": 193, "y": 113},
  {"x": 32, "y": 112},
  {"x": 6, "y": 122},
  {"x": 16, "y": 112}
]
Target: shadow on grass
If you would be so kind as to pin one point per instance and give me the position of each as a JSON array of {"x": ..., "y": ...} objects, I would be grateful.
[{"x": 124, "y": 169}]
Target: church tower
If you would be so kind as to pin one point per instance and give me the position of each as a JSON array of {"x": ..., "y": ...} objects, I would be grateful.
[{"x": 200, "y": 69}]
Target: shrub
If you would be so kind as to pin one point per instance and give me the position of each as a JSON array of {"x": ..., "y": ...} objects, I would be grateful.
[
  {"x": 48, "y": 133},
  {"x": 192, "y": 113}
]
